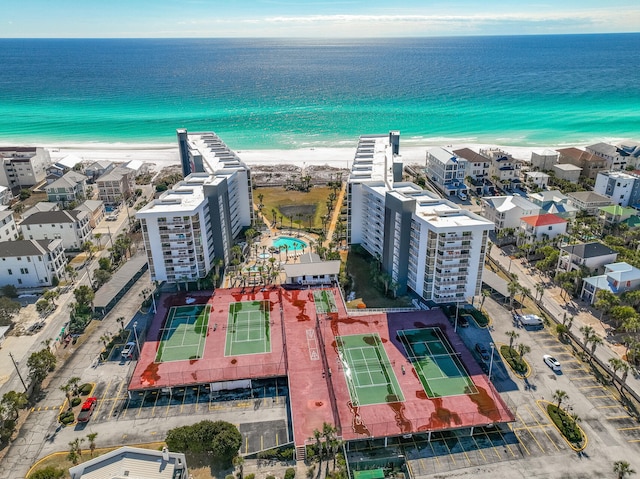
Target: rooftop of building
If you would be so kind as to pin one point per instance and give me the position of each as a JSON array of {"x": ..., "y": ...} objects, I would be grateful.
[
  {"x": 619, "y": 175},
  {"x": 567, "y": 167},
  {"x": 588, "y": 197},
  {"x": 543, "y": 220},
  {"x": 54, "y": 217},
  {"x": 70, "y": 178},
  {"x": 116, "y": 174},
  {"x": 442, "y": 155},
  {"x": 185, "y": 196},
  {"x": 536, "y": 174},
  {"x": 217, "y": 158},
  {"x": 617, "y": 210},
  {"x": 548, "y": 195},
  {"x": 40, "y": 206},
  {"x": 9, "y": 249},
  {"x": 70, "y": 161},
  {"x": 604, "y": 149},
  {"x": 507, "y": 203},
  {"x": 470, "y": 155},
  {"x": 373, "y": 154},
  {"x": 588, "y": 250}
]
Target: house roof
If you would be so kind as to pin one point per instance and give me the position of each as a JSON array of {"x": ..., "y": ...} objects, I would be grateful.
[
  {"x": 588, "y": 250},
  {"x": 311, "y": 264},
  {"x": 5, "y": 213},
  {"x": 617, "y": 210},
  {"x": 567, "y": 167},
  {"x": 10, "y": 249},
  {"x": 53, "y": 217},
  {"x": 574, "y": 153},
  {"x": 543, "y": 220},
  {"x": 470, "y": 155},
  {"x": 548, "y": 195},
  {"x": 38, "y": 207},
  {"x": 632, "y": 221},
  {"x": 604, "y": 149},
  {"x": 69, "y": 161},
  {"x": 536, "y": 174},
  {"x": 115, "y": 174},
  {"x": 89, "y": 205},
  {"x": 622, "y": 272},
  {"x": 588, "y": 197},
  {"x": 71, "y": 178},
  {"x": 507, "y": 203},
  {"x": 99, "y": 164}
]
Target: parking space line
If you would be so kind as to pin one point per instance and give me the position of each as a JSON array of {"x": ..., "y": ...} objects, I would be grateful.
[
  {"x": 608, "y": 407},
  {"x": 433, "y": 451},
  {"x": 628, "y": 428},
  {"x": 613, "y": 418},
  {"x": 115, "y": 403},
  {"x": 597, "y": 386},
  {"x": 277, "y": 443},
  {"x": 633, "y": 440},
  {"x": 507, "y": 444},
  {"x": 493, "y": 446},
  {"x": 447, "y": 446},
  {"x": 599, "y": 397},
  {"x": 463, "y": 450},
  {"x": 246, "y": 444},
  {"x": 478, "y": 449},
  {"x": 546, "y": 433},
  {"x": 523, "y": 445},
  {"x": 103, "y": 398}
]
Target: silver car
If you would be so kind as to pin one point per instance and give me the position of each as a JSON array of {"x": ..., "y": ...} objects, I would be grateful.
[{"x": 552, "y": 362}]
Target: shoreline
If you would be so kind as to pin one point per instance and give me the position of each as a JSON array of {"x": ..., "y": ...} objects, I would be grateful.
[{"x": 339, "y": 157}]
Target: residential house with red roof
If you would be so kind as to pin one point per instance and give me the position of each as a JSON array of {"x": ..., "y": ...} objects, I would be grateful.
[{"x": 541, "y": 227}]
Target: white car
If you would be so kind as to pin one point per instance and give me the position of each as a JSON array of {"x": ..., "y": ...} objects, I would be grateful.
[
  {"x": 552, "y": 362},
  {"x": 127, "y": 351}
]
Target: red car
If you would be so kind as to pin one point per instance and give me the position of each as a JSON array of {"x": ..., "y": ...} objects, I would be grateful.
[{"x": 87, "y": 409}]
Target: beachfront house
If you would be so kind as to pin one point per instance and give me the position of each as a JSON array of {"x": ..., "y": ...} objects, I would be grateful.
[
  {"x": 591, "y": 164},
  {"x": 616, "y": 159},
  {"x": 541, "y": 227},
  {"x": 505, "y": 211},
  {"x": 447, "y": 171},
  {"x": 69, "y": 187},
  {"x": 588, "y": 202},
  {"x": 8, "y": 229},
  {"x": 503, "y": 169},
  {"x": 536, "y": 179},
  {"x": 592, "y": 256},
  {"x": 617, "y": 278},
  {"x": 23, "y": 167},
  {"x": 622, "y": 187},
  {"x": 544, "y": 160},
  {"x": 72, "y": 227},
  {"x": 98, "y": 168},
  {"x": 31, "y": 263}
]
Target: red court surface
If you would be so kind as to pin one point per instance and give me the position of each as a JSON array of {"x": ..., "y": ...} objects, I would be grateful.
[
  {"x": 303, "y": 348},
  {"x": 213, "y": 366}
]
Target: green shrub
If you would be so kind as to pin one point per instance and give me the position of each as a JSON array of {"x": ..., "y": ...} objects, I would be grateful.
[
  {"x": 290, "y": 473},
  {"x": 568, "y": 427},
  {"x": 514, "y": 360},
  {"x": 270, "y": 477},
  {"x": 66, "y": 417},
  {"x": 85, "y": 389},
  {"x": 49, "y": 472},
  {"x": 479, "y": 317},
  {"x": 229, "y": 476},
  {"x": 75, "y": 401},
  {"x": 250, "y": 476}
]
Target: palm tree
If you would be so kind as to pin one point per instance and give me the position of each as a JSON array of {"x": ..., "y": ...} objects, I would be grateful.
[
  {"x": 317, "y": 435},
  {"x": 587, "y": 334},
  {"x": 485, "y": 293},
  {"x": 512, "y": 337},
  {"x": 595, "y": 340},
  {"x": 513, "y": 289},
  {"x": 618, "y": 364},
  {"x": 238, "y": 461},
  {"x": 622, "y": 469},
  {"x": 560, "y": 396},
  {"x": 523, "y": 349},
  {"x": 91, "y": 437},
  {"x": 66, "y": 389},
  {"x": 540, "y": 287}
]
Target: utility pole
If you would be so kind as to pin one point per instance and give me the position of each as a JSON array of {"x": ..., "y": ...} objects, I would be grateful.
[{"x": 18, "y": 371}]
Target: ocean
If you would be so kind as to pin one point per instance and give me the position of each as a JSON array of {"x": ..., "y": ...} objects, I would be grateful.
[{"x": 301, "y": 93}]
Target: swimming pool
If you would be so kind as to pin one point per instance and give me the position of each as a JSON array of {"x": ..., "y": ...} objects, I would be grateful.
[{"x": 293, "y": 244}]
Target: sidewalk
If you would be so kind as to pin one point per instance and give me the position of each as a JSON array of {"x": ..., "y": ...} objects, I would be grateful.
[{"x": 553, "y": 300}]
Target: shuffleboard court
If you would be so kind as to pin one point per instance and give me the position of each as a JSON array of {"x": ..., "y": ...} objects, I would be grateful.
[
  {"x": 367, "y": 370},
  {"x": 248, "y": 328},
  {"x": 324, "y": 302},
  {"x": 438, "y": 366},
  {"x": 184, "y": 334}
]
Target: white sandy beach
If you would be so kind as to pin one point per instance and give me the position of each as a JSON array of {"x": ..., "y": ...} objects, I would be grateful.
[{"x": 164, "y": 155}]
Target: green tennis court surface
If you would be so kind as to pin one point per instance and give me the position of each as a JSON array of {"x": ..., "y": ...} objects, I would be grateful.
[
  {"x": 369, "y": 375},
  {"x": 324, "y": 301},
  {"x": 369, "y": 474},
  {"x": 248, "y": 328},
  {"x": 438, "y": 366},
  {"x": 184, "y": 334}
]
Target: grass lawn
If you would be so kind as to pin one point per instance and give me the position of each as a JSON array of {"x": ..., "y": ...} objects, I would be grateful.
[
  {"x": 289, "y": 202},
  {"x": 359, "y": 267}
]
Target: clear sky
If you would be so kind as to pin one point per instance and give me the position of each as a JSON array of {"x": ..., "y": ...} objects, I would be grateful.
[{"x": 312, "y": 18}]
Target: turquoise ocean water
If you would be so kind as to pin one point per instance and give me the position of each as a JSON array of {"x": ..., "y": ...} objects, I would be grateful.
[{"x": 259, "y": 93}]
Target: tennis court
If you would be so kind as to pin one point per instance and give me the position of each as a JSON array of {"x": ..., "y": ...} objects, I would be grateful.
[
  {"x": 438, "y": 366},
  {"x": 367, "y": 370},
  {"x": 324, "y": 302},
  {"x": 184, "y": 334},
  {"x": 248, "y": 328}
]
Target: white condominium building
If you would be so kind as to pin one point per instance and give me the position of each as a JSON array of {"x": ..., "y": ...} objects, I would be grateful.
[
  {"x": 25, "y": 166},
  {"x": 214, "y": 201},
  {"x": 176, "y": 229},
  {"x": 31, "y": 263},
  {"x": 425, "y": 243}
]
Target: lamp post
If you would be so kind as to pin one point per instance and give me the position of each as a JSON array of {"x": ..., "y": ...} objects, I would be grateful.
[
  {"x": 491, "y": 360},
  {"x": 15, "y": 365},
  {"x": 135, "y": 334},
  {"x": 455, "y": 324}
]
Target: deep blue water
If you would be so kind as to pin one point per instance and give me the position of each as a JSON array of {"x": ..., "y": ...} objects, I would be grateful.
[{"x": 275, "y": 93}]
